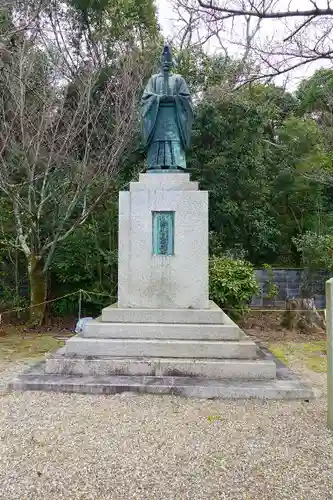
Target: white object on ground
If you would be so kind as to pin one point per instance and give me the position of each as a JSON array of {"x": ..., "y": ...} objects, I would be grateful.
[{"x": 80, "y": 324}]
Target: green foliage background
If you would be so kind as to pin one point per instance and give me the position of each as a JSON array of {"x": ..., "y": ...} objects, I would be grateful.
[{"x": 264, "y": 154}]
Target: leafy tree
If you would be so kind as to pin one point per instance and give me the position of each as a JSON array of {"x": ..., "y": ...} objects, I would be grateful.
[
  {"x": 300, "y": 203},
  {"x": 315, "y": 96},
  {"x": 316, "y": 250},
  {"x": 208, "y": 75},
  {"x": 228, "y": 157},
  {"x": 254, "y": 154},
  {"x": 97, "y": 31}
]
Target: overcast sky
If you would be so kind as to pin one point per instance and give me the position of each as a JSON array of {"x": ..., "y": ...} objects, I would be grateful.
[{"x": 273, "y": 30}]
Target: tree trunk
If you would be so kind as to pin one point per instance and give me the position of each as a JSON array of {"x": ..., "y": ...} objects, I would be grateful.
[
  {"x": 38, "y": 285},
  {"x": 301, "y": 314}
]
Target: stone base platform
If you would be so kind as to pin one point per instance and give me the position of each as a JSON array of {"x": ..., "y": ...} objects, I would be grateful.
[
  {"x": 159, "y": 331},
  {"x": 194, "y": 353},
  {"x": 166, "y": 348},
  {"x": 35, "y": 379},
  {"x": 212, "y": 315},
  {"x": 239, "y": 369}
]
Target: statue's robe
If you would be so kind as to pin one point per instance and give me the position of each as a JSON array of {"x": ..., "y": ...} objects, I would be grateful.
[{"x": 166, "y": 126}]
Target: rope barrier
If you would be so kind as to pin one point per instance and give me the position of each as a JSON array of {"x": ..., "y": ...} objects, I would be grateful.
[
  {"x": 19, "y": 309},
  {"x": 98, "y": 293},
  {"x": 253, "y": 309},
  {"x": 86, "y": 294},
  {"x": 81, "y": 293}
]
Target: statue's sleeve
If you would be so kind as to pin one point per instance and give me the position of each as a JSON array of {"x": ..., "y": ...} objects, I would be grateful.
[
  {"x": 184, "y": 112},
  {"x": 149, "y": 108}
]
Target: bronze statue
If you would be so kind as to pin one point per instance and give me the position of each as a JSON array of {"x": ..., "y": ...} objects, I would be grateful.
[{"x": 167, "y": 116}]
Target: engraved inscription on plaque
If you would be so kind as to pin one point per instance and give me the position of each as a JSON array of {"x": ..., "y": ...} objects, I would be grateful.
[{"x": 163, "y": 233}]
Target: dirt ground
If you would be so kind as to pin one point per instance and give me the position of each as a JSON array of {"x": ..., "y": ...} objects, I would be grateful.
[{"x": 266, "y": 327}]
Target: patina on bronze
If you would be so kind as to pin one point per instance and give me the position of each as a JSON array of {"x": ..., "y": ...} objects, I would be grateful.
[{"x": 167, "y": 116}]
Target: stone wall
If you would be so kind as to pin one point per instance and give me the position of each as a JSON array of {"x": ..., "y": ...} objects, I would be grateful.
[{"x": 289, "y": 282}]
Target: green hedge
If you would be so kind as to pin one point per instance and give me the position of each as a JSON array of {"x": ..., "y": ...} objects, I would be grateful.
[{"x": 232, "y": 284}]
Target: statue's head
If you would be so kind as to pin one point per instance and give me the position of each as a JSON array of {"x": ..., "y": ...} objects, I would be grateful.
[{"x": 166, "y": 59}]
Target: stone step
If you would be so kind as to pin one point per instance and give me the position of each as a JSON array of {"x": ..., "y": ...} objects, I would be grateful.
[
  {"x": 218, "y": 349},
  {"x": 213, "y": 315},
  {"x": 164, "y": 182},
  {"x": 208, "y": 368},
  {"x": 181, "y": 386},
  {"x": 100, "y": 329},
  {"x": 183, "y": 186}
]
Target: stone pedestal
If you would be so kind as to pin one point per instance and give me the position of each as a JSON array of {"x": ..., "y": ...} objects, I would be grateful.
[
  {"x": 157, "y": 281},
  {"x": 163, "y": 335}
]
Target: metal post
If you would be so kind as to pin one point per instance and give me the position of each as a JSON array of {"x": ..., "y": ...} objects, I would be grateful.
[
  {"x": 80, "y": 303},
  {"x": 329, "y": 323}
]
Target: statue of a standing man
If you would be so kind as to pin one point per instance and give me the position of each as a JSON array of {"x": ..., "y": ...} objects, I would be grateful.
[{"x": 167, "y": 116}]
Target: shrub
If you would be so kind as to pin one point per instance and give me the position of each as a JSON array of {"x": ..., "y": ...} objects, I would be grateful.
[{"x": 232, "y": 284}]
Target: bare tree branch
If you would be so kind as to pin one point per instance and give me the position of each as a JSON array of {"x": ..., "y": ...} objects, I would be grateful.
[
  {"x": 290, "y": 38},
  {"x": 299, "y": 28},
  {"x": 27, "y": 18},
  {"x": 262, "y": 13},
  {"x": 60, "y": 153}
]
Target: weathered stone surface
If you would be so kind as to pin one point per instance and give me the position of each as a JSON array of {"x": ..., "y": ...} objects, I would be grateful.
[
  {"x": 169, "y": 181},
  {"x": 207, "y": 368},
  {"x": 243, "y": 349},
  {"x": 37, "y": 380},
  {"x": 99, "y": 329},
  {"x": 212, "y": 315},
  {"x": 163, "y": 281}
]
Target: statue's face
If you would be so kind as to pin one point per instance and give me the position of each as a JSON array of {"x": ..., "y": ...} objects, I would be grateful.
[{"x": 166, "y": 65}]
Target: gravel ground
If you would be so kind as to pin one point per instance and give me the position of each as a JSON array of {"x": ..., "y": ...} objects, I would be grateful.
[{"x": 61, "y": 446}]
